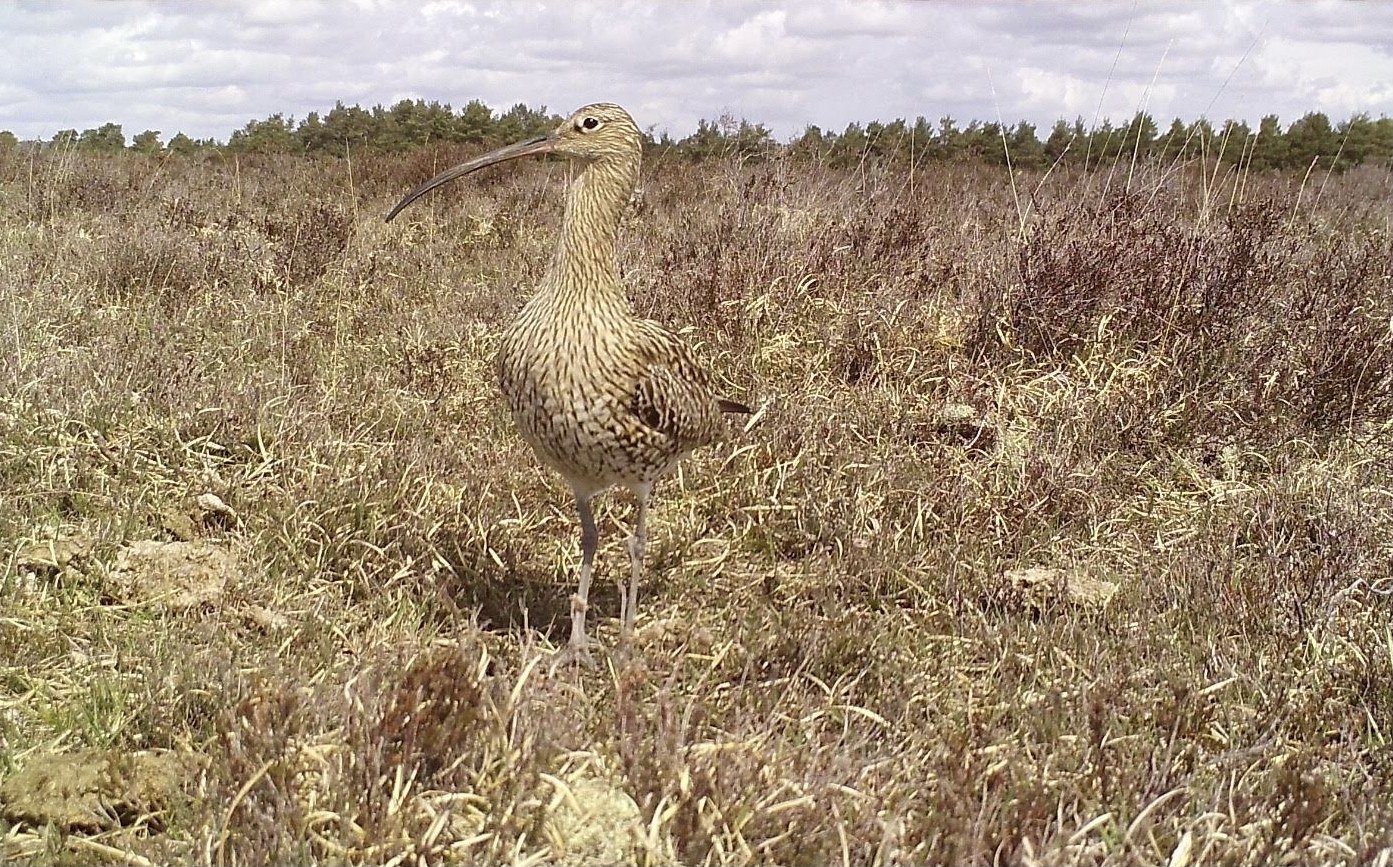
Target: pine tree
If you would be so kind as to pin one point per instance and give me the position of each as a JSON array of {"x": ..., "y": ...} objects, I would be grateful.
[
  {"x": 1140, "y": 138},
  {"x": 1060, "y": 142},
  {"x": 1381, "y": 151},
  {"x": 1270, "y": 148},
  {"x": 1312, "y": 140},
  {"x": 811, "y": 145},
  {"x": 475, "y": 123},
  {"x": 106, "y": 138},
  {"x": 520, "y": 122},
  {"x": 1174, "y": 144},
  {"x": 1026, "y": 150},
  {"x": 181, "y": 144},
  {"x": 1358, "y": 140},
  {"x": 948, "y": 144},
  {"x": 147, "y": 142},
  {"x": 274, "y": 135},
  {"x": 1233, "y": 141},
  {"x": 348, "y": 128}
]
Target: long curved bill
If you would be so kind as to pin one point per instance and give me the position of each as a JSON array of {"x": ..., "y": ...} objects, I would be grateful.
[{"x": 539, "y": 145}]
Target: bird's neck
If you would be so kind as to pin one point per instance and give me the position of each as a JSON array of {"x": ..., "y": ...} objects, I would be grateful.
[{"x": 584, "y": 269}]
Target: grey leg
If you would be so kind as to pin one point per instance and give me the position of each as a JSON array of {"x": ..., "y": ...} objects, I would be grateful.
[
  {"x": 636, "y": 545},
  {"x": 589, "y": 542}
]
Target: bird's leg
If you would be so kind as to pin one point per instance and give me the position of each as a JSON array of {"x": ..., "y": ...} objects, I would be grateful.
[
  {"x": 637, "y": 541},
  {"x": 577, "y": 650}
]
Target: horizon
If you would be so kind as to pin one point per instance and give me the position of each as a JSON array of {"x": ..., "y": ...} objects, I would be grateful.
[{"x": 961, "y": 123}]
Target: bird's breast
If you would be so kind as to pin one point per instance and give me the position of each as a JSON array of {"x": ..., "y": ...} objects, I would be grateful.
[{"x": 569, "y": 395}]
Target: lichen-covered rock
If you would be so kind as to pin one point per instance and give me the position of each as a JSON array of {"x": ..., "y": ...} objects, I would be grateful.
[
  {"x": 174, "y": 575},
  {"x": 91, "y": 789},
  {"x": 48, "y": 556},
  {"x": 592, "y": 821},
  {"x": 1043, "y": 585}
]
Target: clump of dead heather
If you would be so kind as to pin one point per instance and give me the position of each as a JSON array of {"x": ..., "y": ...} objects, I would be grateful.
[{"x": 1062, "y": 536}]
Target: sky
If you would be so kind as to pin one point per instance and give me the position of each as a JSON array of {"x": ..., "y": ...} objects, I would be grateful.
[{"x": 206, "y": 68}]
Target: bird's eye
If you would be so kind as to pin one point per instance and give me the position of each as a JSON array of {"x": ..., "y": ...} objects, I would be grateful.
[{"x": 590, "y": 123}]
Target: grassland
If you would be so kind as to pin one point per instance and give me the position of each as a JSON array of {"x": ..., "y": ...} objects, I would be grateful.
[{"x": 1170, "y": 395}]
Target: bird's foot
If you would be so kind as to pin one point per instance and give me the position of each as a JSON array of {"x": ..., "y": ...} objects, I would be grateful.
[{"x": 573, "y": 655}]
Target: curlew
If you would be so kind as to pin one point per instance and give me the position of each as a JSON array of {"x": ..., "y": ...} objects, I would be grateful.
[{"x": 603, "y": 397}]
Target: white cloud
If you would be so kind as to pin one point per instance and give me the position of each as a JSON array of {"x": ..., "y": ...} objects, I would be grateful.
[{"x": 207, "y": 68}]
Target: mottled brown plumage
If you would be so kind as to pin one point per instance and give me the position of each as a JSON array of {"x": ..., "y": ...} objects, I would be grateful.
[{"x": 601, "y": 396}]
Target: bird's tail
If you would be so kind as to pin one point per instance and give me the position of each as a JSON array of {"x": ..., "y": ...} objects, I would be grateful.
[{"x": 732, "y": 406}]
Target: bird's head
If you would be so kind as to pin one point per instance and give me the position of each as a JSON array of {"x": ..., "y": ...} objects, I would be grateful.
[{"x": 595, "y": 132}]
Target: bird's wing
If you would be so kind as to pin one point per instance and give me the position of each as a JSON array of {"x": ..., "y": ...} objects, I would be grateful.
[{"x": 672, "y": 392}]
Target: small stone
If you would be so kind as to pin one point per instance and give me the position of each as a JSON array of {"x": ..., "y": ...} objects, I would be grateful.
[
  {"x": 957, "y": 413},
  {"x": 701, "y": 639},
  {"x": 50, "y": 556},
  {"x": 1043, "y": 584},
  {"x": 674, "y": 630},
  {"x": 177, "y": 523},
  {"x": 653, "y": 632},
  {"x": 92, "y": 789},
  {"x": 267, "y": 620},
  {"x": 958, "y": 424},
  {"x": 213, "y": 503},
  {"x": 592, "y": 821},
  {"x": 1087, "y": 590},
  {"x": 215, "y": 511},
  {"x": 174, "y": 575}
]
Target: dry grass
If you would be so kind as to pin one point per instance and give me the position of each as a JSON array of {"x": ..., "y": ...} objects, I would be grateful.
[{"x": 1182, "y": 392}]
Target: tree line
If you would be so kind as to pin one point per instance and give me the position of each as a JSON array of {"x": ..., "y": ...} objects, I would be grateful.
[{"x": 1310, "y": 141}]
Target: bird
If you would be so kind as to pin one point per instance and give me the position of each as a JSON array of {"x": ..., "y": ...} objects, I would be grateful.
[{"x": 603, "y": 397}]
